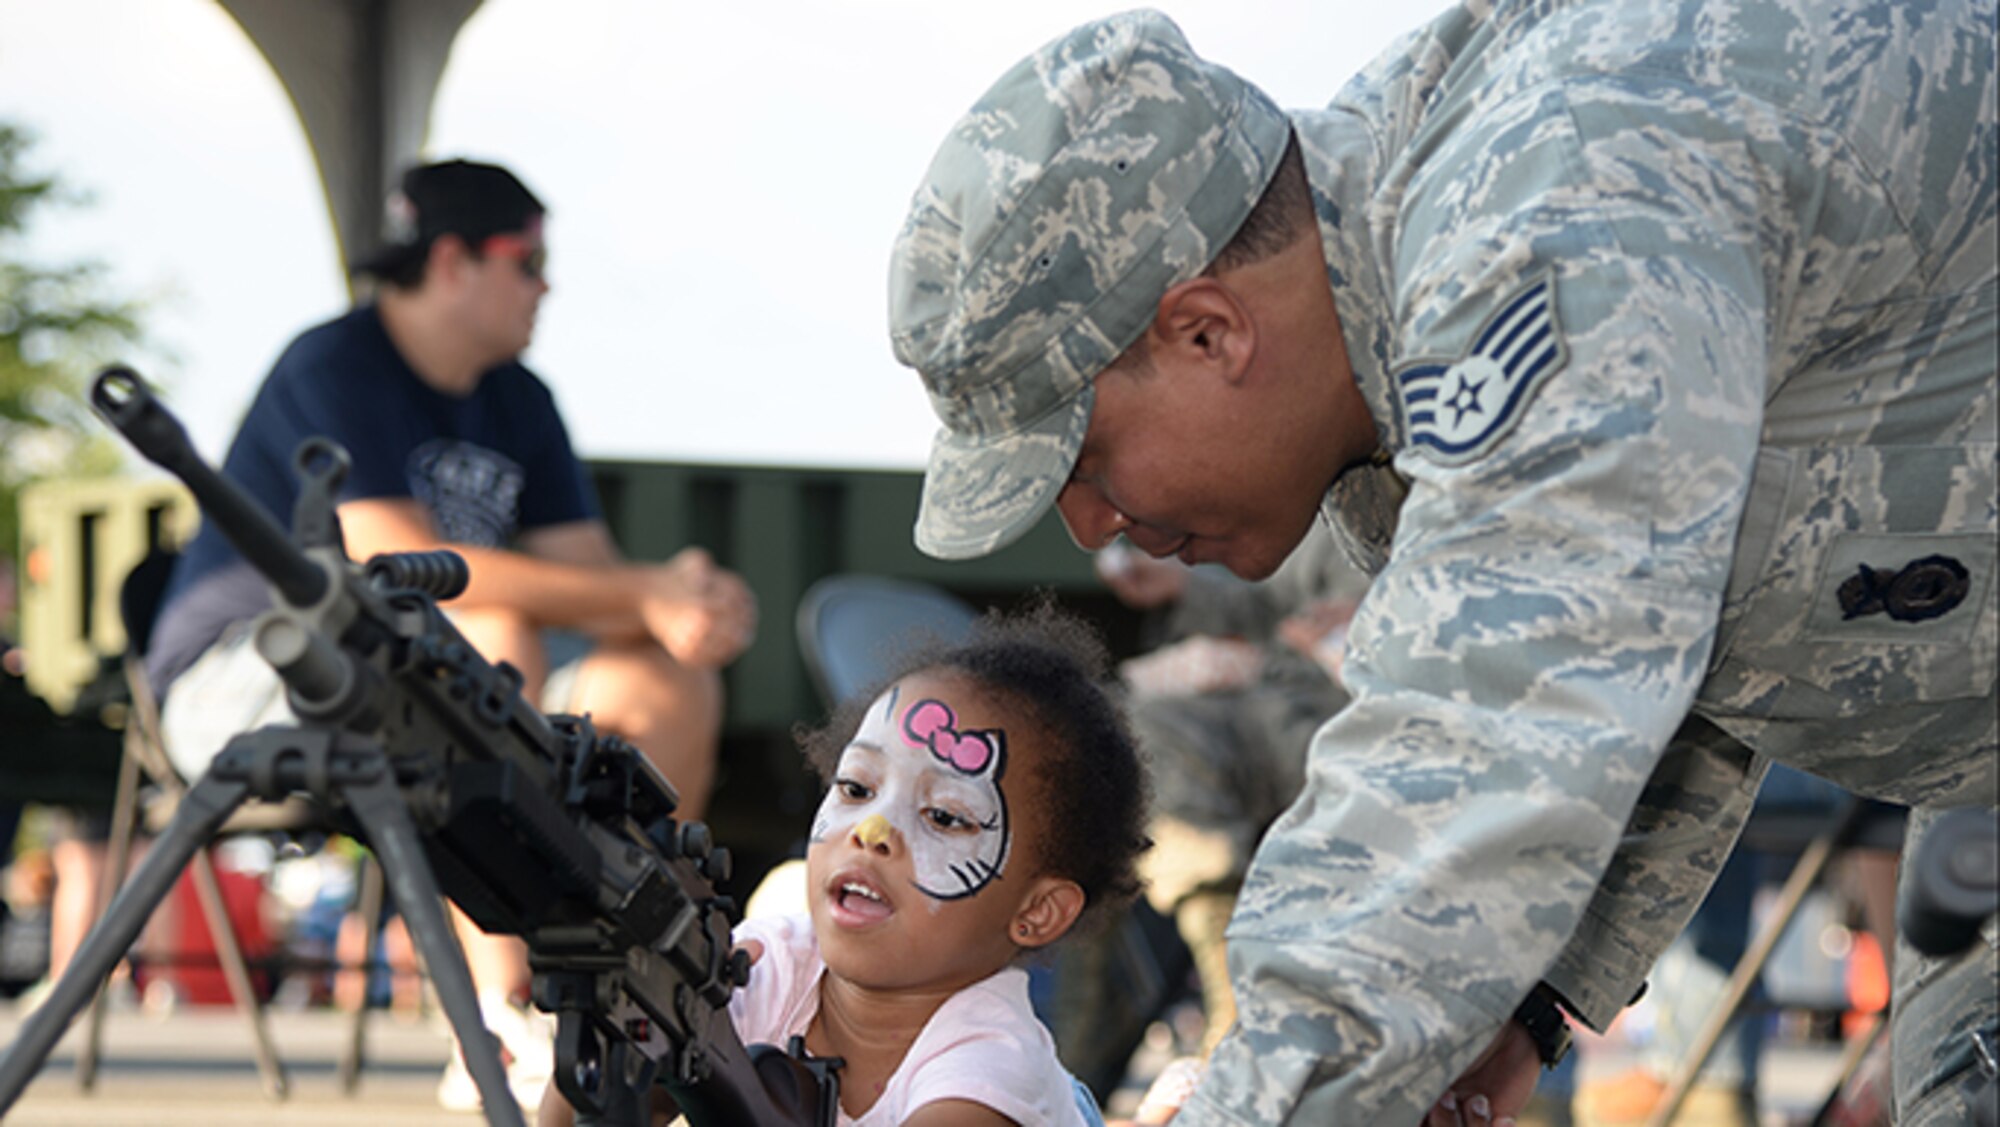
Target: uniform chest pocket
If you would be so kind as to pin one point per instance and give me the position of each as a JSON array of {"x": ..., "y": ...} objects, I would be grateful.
[{"x": 1864, "y": 577}]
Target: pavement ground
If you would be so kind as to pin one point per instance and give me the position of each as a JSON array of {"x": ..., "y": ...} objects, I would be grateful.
[{"x": 194, "y": 1068}]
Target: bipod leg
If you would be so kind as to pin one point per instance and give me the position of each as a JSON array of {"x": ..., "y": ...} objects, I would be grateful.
[
  {"x": 379, "y": 805},
  {"x": 201, "y": 813},
  {"x": 229, "y": 953}
]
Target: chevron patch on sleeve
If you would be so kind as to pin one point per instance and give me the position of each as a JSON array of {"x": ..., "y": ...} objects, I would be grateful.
[{"x": 1458, "y": 411}]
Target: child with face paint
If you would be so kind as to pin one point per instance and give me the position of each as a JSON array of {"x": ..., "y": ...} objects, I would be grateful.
[{"x": 981, "y": 806}]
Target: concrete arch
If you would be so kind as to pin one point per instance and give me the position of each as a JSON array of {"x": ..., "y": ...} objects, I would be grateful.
[{"x": 362, "y": 76}]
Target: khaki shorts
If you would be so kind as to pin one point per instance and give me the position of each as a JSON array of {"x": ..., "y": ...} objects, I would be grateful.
[{"x": 229, "y": 689}]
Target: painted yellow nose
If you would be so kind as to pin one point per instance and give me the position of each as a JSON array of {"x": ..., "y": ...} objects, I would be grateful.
[{"x": 873, "y": 830}]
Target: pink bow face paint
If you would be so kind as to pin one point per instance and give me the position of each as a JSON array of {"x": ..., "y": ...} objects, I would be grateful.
[{"x": 937, "y": 787}]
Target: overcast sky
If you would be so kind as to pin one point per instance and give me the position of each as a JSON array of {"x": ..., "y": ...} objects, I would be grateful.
[{"x": 724, "y": 182}]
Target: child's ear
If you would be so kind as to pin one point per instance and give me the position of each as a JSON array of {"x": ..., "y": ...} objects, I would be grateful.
[{"x": 1053, "y": 904}]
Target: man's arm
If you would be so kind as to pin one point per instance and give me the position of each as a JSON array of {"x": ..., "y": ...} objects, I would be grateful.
[
  {"x": 557, "y": 590},
  {"x": 1683, "y": 829},
  {"x": 571, "y": 575},
  {"x": 1680, "y": 833},
  {"x": 586, "y": 543}
]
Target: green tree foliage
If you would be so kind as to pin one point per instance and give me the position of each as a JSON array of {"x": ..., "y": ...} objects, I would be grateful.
[{"x": 56, "y": 325}]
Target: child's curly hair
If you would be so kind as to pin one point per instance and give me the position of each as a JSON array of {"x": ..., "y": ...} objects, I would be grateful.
[{"x": 1093, "y": 788}]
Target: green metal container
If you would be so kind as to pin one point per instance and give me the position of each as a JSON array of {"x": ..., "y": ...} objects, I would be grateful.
[
  {"x": 783, "y": 529},
  {"x": 780, "y": 528}
]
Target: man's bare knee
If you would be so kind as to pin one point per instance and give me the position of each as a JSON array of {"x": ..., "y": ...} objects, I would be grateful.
[
  {"x": 505, "y": 634},
  {"x": 671, "y": 712},
  {"x": 641, "y": 687}
]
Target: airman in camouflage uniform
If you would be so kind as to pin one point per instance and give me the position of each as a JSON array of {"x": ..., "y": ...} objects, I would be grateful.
[{"x": 1653, "y": 370}]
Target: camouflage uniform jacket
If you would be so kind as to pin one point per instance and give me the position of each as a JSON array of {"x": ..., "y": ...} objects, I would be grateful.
[{"x": 1677, "y": 318}]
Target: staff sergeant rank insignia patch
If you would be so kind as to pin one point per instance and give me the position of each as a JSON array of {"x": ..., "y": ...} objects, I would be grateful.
[{"x": 1456, "y": 412}]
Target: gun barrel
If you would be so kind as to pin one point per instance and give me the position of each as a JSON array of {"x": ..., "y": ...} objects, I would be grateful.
[{"x": 128, "y": 404}]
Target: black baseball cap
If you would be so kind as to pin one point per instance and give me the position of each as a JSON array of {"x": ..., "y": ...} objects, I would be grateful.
[{"x": 453, "y": 197}]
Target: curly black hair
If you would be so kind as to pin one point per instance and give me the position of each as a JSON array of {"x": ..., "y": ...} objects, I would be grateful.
[{"x": 1093, "y": 789}]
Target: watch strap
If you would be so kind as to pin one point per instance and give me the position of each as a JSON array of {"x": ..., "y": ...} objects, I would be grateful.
[{"x": 1540, "y": 1013}]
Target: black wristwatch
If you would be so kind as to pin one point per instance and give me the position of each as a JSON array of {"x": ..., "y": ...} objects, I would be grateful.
[{"x": 1540, "y": 1013}]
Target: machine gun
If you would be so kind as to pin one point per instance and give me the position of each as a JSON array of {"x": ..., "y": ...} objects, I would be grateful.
[{"x": 536, "y": 826}]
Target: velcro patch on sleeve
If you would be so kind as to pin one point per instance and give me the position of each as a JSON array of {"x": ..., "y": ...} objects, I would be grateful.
[{"x": 1459, "y": 410}]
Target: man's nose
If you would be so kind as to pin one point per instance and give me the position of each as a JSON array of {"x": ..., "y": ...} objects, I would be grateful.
[{"x": 1091, "y": 520}]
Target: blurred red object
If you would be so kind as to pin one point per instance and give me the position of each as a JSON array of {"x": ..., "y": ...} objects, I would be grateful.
[
  {"x": 182, "y": 952},
  {"x": 1867, "y": 985}
]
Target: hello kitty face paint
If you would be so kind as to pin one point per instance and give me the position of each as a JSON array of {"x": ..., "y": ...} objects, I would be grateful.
[{"x": 911, "y": 770}]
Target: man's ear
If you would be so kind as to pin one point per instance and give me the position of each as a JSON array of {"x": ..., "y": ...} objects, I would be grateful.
[
  {"x": 446, "y": 255},
  {"x": 1204, "y": 322},
  {"x": 1051, "y": 907}
]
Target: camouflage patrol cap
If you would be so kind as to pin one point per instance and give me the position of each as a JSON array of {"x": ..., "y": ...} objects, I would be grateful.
[{"x": 1100, "y": 171}]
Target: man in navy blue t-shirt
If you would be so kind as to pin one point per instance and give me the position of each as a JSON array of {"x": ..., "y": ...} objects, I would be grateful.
[{"x": 455, "y": 444}]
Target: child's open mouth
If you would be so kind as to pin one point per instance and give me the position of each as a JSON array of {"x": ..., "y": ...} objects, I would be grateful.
[{"x": 856, "y": 901}]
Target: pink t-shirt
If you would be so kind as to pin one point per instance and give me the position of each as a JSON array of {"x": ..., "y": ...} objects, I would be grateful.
[{"x": 984, "y": 1044}]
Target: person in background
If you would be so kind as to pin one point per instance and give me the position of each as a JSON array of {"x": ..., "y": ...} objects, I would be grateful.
[
  {"x": 1225, "y": 708},
  {"x": 72, "y": 842},
  {"x": 10, "y": 667},
  {"x": 456, "y": 444}
]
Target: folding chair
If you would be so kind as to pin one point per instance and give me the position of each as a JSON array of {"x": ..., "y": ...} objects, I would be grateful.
[
  {"x": 139, "y": 603},
  {"x": 1854, "y": 823},
  {"x": 854, "y": 629}
]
